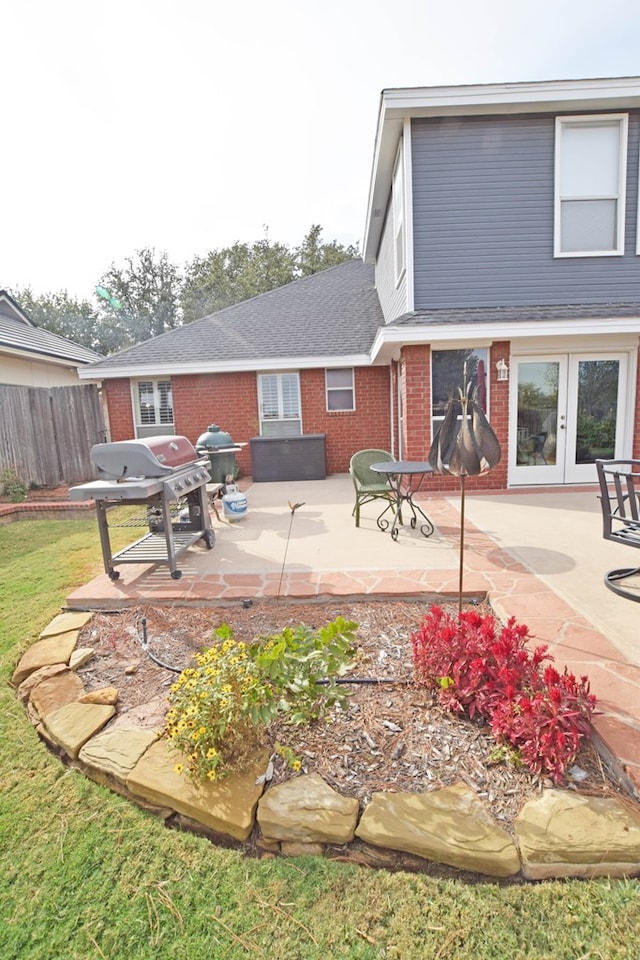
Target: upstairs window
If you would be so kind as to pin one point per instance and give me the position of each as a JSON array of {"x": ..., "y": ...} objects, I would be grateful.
[
  {"x": 398, "y": 218},
  {"x": 590, "y": 185},
  {"x": 340, "y": 389},
  {"x": 279, "y": 400},
  {"x": 153, "y": 408}
]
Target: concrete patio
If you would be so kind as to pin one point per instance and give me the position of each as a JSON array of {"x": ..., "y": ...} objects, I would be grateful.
[{"x": 539, "y": 557}]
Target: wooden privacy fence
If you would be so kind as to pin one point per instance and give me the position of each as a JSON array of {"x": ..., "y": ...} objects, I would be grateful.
[{"x": 46, "y": 433}]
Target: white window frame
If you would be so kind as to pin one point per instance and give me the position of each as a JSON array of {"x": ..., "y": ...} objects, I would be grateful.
[
  {"x": 158, "y": 426},
  {"x": 330, "y": 388},
  {"x": 286, "y": 418},
  {"x": 622, "y": 119},
  {"x": 397, "y": 201}
]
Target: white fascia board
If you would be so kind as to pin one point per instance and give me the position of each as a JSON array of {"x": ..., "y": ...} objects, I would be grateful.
[
  {"x": 480, "y": 332},
  {"x": 400, "y": 104},
  {"x": 153, "y": 371}
]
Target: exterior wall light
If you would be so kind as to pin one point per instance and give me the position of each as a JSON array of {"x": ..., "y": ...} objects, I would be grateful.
[{"x": 503, "y": 370}]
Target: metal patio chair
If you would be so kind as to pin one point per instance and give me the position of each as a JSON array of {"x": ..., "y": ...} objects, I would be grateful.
[
  {"x": 368, "y": 484},
  {"x": 620, "y": 501}
]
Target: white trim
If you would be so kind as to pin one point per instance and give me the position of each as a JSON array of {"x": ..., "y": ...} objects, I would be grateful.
[
  {"x": 408, "y": 215},
  {"x": 584, "y": 120},
  {"x": 271, "y": 365},
  {"x": 398, "y": 219},
  {"x": 389, "y": 337}
]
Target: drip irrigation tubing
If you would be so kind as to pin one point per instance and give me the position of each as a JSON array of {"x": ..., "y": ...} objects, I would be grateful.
[{"x": 358, "y": 681}]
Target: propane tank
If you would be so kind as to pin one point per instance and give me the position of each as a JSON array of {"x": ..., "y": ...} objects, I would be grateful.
[{"x": 234, "y": 503}]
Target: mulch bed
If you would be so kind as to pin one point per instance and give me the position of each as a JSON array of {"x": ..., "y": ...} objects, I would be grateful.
[{"x": 393, "y": 736}]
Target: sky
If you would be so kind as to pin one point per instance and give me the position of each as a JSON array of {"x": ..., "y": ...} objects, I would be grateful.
[{"x": 186, "y": 126}]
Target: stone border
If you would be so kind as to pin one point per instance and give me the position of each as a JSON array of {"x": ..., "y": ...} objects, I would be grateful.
[{"x": 559, "y": 834}]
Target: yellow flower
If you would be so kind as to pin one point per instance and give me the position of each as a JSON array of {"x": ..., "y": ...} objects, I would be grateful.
[
  {"x": 179, "y": 768},
  {"x": 211, "y": 753},
  {"x": 211, "y": 775}
]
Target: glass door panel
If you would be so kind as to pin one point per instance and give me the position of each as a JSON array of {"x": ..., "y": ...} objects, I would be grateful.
[
  {"x": 595, "y": 414},
  {"x": 538, "y": 444}
]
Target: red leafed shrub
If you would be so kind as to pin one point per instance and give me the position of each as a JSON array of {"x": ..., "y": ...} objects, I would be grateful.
[{"x": 481, "y": 668}]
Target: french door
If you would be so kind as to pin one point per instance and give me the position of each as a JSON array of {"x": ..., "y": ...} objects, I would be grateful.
[{"x": 566, "y": 411}]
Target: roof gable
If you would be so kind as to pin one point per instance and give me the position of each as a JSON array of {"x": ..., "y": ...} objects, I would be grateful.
[
  {"x": 19, "y": 335},
  {"x": 9, "y": 308}
]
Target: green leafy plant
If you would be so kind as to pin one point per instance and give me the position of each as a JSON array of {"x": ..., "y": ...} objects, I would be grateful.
[
  {"x": 13, "y": 487},
  {"x": 220, "y": 708}
]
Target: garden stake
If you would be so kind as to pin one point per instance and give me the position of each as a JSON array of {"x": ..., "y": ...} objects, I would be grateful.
[
  {"x": 464, "y": 446},
  {"x": 293, "y": 507}
]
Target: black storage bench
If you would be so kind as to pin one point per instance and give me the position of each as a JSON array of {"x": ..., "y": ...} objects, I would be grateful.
[{"x": 288, "y": 458}]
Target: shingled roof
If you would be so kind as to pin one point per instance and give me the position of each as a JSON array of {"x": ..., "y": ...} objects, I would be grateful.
[
  {"x": 19, "y": 333},
  {"x": 333, "y": 313}
]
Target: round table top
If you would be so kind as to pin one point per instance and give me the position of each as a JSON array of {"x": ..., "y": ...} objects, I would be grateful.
[{"x": 402, "y": 466}]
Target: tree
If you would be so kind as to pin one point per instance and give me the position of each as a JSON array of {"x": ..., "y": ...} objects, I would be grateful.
[
  {"x": 236, "y": 273},
  {"x": 312, "y": 255},
  {"x": 141, "y": 300}
]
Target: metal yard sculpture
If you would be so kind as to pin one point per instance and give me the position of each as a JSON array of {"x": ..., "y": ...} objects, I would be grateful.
[{"x": 464, "y": 446}]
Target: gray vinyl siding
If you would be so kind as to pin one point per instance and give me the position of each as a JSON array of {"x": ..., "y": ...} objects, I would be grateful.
[
  {"x": 393, "y": 299},
  {"x": 483, "y": 218}
]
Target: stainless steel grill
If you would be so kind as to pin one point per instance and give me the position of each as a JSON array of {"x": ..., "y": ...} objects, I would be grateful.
[{"x": 159, "y": 472}]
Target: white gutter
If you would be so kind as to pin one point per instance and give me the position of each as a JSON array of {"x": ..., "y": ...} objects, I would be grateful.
[{"x": 223, "y": 366}]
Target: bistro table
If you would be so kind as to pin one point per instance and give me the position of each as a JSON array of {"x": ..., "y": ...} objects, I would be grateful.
[{"x": 395, "y": 471}]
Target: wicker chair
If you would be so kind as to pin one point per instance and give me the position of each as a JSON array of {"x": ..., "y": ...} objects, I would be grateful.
[{"x": 368, "y": 484}]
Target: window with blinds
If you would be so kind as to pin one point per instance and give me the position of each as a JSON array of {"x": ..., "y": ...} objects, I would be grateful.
[{"x": 279, "y": 401}]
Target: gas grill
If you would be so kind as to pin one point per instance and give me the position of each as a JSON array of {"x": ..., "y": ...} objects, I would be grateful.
[{"x": 163, "y": 473}]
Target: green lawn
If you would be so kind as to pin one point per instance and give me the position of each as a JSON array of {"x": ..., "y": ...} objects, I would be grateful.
[{"x": 85, "y": 874}]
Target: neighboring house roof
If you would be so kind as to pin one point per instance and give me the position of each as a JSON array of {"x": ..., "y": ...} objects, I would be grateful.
[
  {"x": 399, "y": 106},
  {"x": 329, "y": 317},
  {"x": 19, "y": 335}
]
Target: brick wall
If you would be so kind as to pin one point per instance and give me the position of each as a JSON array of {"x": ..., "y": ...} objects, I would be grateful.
[
  {"x": 230, "y": 400},
  {"x": 118, "y": 398}
]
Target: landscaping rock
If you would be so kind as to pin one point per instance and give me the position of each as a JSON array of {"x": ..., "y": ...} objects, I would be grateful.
[
  {"x": 55, "y": 692},
  {"x": 226, "y": 806},
  {"x": 70, "y": 727},
  {"x": 55, "y": 649},
  {"x": 27, "y": 686},
  {"x": 451, "y": 826},
  {"x": 150, "y": 714},
  {"x": 65, "y": 622},
  {"x": 116, "y": 751},
  {"x": 307, "y": 809},
  {"x": 564, "y": 834},
  {"x": 104, "y": 695},
  {"x": 81, "y": 656}
]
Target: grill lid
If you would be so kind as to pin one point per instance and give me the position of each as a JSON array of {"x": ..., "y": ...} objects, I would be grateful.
[
  {"x": 152, "y": 457},
  {"x": 214, "y": 439}
]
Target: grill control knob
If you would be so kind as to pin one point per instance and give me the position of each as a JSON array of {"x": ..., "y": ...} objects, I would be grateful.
[{"x": 179, "y": 484}]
